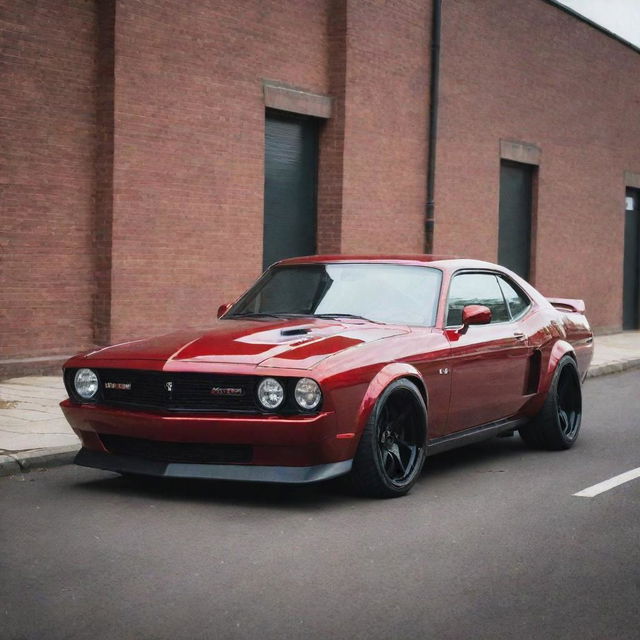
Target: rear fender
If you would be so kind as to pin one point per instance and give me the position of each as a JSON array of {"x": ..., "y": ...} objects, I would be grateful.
[
  {"x": 560, "y": 349},
  {"x": 381, "y": 381}
]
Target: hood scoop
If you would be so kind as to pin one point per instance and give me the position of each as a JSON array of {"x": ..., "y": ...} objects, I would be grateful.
[{"x": 297, "y": 331}]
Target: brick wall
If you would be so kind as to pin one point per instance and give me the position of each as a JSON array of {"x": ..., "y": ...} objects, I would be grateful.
[
  {"x": 132, "y": 183},
  {"x": 47, "y": 99},
  {"x": 189, "y": 147},
  {"x": 522, "y": 70},
  {"x": 385, "y": 150},
  {"x": 189, "y": 141}
]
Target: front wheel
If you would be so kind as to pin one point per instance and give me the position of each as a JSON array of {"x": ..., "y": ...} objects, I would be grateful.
[
  {"x": 391, "y": 451},
  {"x": 557, "y": 425}
]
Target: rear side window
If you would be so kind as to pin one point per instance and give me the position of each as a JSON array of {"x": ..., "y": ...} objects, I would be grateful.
[
  {"x": 476, "y": 288},
  {"x": 516, "y": 300}
]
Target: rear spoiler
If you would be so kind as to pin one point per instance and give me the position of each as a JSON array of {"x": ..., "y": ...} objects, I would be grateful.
[{"x": 568, "y": 305}]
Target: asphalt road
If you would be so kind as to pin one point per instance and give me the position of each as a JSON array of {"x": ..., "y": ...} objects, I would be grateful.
[{"x": 490, "y": 544}]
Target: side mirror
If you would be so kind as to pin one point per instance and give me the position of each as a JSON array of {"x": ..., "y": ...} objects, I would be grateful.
[
  {"x": 223, "y": 308},
  {"x": 476, "y": 314}
]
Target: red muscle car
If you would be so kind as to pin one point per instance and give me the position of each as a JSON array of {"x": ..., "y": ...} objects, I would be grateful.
[{"x": 332, "y": 365}]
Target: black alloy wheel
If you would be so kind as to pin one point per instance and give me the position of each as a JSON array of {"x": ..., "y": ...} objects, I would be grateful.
[
  {"x": 398, "y": 438},
  {"x": 557, "y": 425},
  {"x": 391, "y": 452},
  {"x": 569, "y": 404}
]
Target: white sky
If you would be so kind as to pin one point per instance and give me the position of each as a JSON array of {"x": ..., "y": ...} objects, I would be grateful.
[{"x": 620, "y": 16}]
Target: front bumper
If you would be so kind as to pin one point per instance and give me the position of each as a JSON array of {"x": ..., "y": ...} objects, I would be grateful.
[
  {"x": 238, "y": 472},
  {"x": 304, "y": 441}
]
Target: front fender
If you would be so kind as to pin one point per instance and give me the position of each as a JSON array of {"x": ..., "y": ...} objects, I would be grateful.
[
  {"x": 383, "y": 379},
  {"x": 560, "y": 349}
]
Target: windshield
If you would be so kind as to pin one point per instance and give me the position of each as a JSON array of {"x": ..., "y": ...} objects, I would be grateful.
[{"x": 387, "y": 293}]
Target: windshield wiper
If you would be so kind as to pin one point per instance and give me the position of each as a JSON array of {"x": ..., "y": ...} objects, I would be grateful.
[
  {"x": 344, "y": 315},
  {"x": 254, "y": 314},
  {"x": 284, "y": 314},
  {"x": 262, "y": 314}
]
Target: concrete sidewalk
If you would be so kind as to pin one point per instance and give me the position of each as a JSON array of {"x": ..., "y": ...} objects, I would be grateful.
[
  {"x": 34, "y": 433},
  {"x": 614, "y": 353}
]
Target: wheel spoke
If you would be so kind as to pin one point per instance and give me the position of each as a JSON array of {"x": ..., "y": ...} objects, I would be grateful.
[
  {"x": 394, "y": 452},
  {"x": 387, "y": 462},
  {"x": 564, "y": 421},
  {"x": 405, "y": 444}
]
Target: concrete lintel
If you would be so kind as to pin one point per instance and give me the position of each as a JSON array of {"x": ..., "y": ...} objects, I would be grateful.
[
  {"x": 524, "y": 152},
  {"x": 285, "y": 98},
  {"x": 632, "y": 179}
]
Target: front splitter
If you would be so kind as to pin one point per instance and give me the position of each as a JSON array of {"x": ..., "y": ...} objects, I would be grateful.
[{"x": 237, "y": 472}]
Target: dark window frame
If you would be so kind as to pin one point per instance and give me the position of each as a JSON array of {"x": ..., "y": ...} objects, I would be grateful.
[
  {"x": 497, "y": 275},
  {"x": 519, "y": 291}
]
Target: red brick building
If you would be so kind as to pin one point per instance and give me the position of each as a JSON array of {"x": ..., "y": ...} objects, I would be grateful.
[{"x": 143, "y": 142}]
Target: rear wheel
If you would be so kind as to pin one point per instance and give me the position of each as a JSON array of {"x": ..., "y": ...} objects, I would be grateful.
[
  {"x": 557, "y": 425},
  {"x": 391, "y": 451}
]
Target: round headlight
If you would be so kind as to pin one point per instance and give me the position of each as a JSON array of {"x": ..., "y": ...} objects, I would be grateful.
[
  {"x": 307, "y": 393},
  {"x": 86, "y": 383},
  {"x": 270, "y": 393}
]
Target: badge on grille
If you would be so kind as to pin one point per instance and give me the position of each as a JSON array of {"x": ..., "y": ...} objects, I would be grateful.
[
  {"x": 168, "y": 386},
  {"x": 227, "y": 391},
  {"x": 120, "y": 386}
]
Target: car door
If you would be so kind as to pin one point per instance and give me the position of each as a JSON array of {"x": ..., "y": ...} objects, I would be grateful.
[{"x": 489, "y": 363}]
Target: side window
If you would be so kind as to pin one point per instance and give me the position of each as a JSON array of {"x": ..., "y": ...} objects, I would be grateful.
[
  {"x": 517, "y": 301},
  {"x": 476, "y": 288}
]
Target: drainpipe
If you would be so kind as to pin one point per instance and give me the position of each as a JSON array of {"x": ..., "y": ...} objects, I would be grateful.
[{"x": 434, "y": 88}]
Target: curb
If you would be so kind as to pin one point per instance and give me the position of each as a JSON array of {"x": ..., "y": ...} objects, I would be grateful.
[
  {"x": 617, "y": 366},
  {"x": 25, "y": 461}
]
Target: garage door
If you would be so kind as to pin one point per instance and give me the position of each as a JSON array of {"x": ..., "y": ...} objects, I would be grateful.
[
  {"x": 291, "y": 152},
  {"x": 514, "y": 235}
]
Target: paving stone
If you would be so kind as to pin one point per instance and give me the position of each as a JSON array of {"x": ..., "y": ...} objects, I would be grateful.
[
  {"x": 13, "y": 442},
  {"x": 50, "y": 408},
  {"x": 22, "y": 392},
  {"x": 55, "y": 425}
]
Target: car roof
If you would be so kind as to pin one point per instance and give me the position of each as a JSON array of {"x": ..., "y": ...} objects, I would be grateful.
[{"x": 441, "y": 261}]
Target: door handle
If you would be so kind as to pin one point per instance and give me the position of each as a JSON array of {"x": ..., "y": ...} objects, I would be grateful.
[{"x": 518, "y": 335}]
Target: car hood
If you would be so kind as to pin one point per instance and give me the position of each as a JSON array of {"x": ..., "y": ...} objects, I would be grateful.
[{"x": 288, "y": 343}]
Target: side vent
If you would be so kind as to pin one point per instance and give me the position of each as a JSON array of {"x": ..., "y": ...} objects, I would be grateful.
[{"x": 533, "y": 377}]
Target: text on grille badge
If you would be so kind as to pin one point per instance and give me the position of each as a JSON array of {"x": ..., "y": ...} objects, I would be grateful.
[
  {"x": 121, "y": 386},
  {"x": 227, "y": 391}
]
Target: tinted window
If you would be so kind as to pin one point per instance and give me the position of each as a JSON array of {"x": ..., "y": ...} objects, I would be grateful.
[
  {"x": 476, "y": 288},
  {"x": 516, "y": 300},
  {"x": 380, "y": 292}
]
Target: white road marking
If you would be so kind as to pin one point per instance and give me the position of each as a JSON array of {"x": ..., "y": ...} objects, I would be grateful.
[{"x": 601, "y": 487}]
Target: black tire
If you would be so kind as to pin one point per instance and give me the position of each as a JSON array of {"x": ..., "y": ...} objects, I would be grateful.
[
  {"x": 391, "y": 451},
  {"x": 557, "y": 425}
]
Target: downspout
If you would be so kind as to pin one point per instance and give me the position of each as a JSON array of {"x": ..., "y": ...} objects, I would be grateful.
[{"x": 434, "y": 90}]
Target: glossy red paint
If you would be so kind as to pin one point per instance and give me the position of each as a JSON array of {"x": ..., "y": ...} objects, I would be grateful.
[
  {"x": 476, "y": 314},
  {"x": 468, "y": 375},
  {"x": 223, "y": 308},
  {"x": 296, "y": 441}
]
